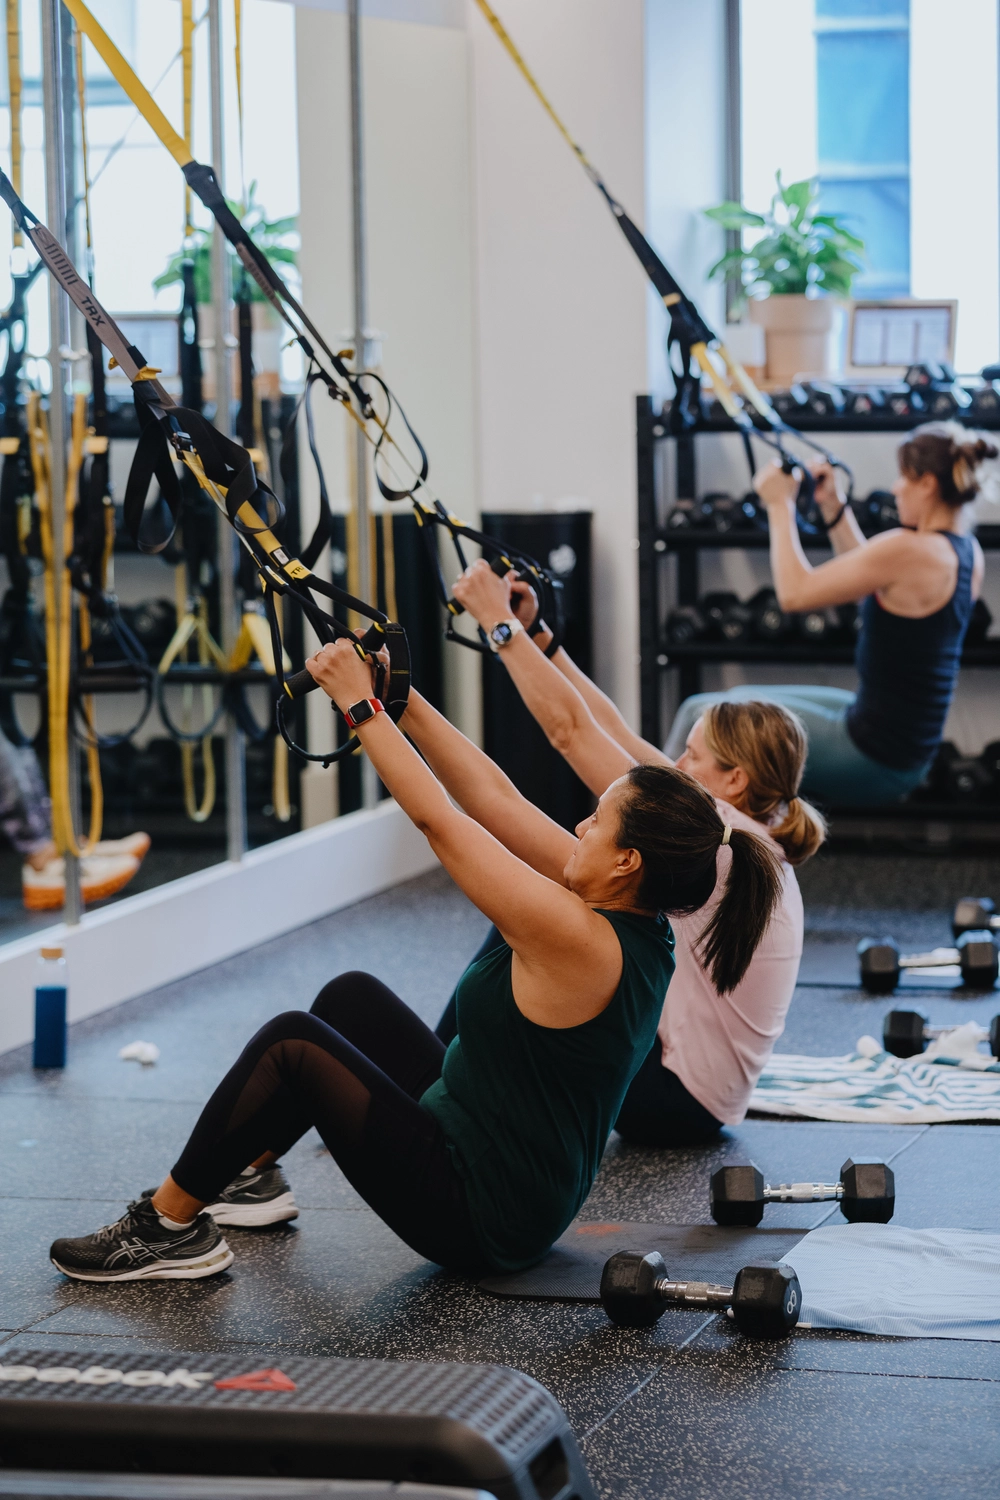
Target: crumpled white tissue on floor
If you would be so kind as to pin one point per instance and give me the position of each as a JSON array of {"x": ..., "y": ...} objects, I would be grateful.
[{"x": 146, "y": 1053}]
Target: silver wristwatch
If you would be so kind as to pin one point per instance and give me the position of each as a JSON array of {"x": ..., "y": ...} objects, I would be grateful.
[{"x": 503, "y": 633}]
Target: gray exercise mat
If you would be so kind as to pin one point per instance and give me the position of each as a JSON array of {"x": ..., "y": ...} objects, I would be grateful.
[{"x": 693, "y": 1252}]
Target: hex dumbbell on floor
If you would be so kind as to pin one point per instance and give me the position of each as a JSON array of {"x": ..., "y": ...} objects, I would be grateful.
[
  {"x": 882, "y": 963},
  {"x": 765, "y": 1298},
  {"x": 905, "y": 1033},
  {"x": 974, "y": 914},
  {"x": 738, "y": 1194}
]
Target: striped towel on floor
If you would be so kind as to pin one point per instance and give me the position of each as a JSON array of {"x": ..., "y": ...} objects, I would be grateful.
[
  {"x": 952, "y": 1080},
  {"x": 905, "y": 1283}
]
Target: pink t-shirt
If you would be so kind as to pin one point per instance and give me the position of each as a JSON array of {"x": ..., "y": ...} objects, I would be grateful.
[{"x": 718, "y": 1044}]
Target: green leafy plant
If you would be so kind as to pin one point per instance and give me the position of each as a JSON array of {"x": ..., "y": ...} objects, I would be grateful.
[
  {"x": 278, "y": 238},
  {"x": 800, "y": 250}
]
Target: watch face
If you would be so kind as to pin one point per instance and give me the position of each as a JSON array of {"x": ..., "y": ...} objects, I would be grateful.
[
  {"x": 361, "y": 712},
  {"x": 501, "y": 633}
]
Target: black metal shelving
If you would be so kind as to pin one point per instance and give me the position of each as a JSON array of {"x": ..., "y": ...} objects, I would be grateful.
[{"x": 657, "y": 542}]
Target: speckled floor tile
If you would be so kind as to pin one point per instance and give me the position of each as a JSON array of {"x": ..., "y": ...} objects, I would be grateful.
[
  {"x": 701, "y": 1430},
  {"x": 417, "y": 938},
  {"x": 685, "y": 1409},
  {"x": 672, "y": 1186}
]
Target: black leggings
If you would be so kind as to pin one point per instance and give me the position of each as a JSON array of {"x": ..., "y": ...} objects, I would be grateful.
[
  {"x": 354, "y": 1067},
  {"x": 659, "y": 1111},
  {"x": 656, "y": 1111}
]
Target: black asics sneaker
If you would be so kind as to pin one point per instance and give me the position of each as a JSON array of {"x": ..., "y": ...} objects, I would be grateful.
[
  {"x": 139, "y": 1248},
  {"x": 259, "y": 1195}
]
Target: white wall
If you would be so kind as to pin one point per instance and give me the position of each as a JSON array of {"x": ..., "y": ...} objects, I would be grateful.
[
  {"x": 420, "y": 257},
  {"x": 686, "y": 160},
  {"x": 561, "y": 298},
  {"x": 953, "y": 190}
]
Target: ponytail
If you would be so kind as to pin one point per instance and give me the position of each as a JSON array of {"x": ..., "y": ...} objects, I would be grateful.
[
  {"x": 753, "y": 889},
  {"x": 952, "y": 454},
  {"x": 674, "y": 824},
  {"x": 800, "y": 832}
]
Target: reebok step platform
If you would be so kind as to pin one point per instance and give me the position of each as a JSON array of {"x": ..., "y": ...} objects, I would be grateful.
[
  {"x": 33, "y": 1484},
  {"x": 481, "y": 1427}
]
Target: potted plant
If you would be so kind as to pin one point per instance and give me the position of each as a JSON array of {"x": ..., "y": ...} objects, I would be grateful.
[
  {"x": 792, "y": 276},
  {"x": 278, "y": 239}
]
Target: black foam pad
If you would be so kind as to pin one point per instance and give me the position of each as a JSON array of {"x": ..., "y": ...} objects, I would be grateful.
[{"x": 571, "y": 1272}]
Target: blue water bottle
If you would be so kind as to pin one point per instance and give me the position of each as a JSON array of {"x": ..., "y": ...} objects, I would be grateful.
[{"x": 50, "y": 1010}]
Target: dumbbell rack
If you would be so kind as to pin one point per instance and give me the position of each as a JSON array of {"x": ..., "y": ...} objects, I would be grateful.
[{"x": 657, "y": 544}]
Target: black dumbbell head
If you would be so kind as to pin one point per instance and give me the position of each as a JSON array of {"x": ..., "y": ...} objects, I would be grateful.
[
  {"x": 628, "y": 1288},
  {"x": 869, "y": 1191},
  {"x": 977, "y": 955},
  {"x": 879, "y": 965},
  {"x": 995, "y": 1036},
  {"x": 903, "y": 1032},
  {"x": 972, "y": 914},
  {"x": 736, "y": 1194},
  {"x": 767, "y": 1300}
]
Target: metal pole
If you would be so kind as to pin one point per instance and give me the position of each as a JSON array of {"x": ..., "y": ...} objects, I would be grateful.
[
  {"x": 369, "y": 778},
  {"x": 55, "y": 212},
  {"x": 236, "y": 809},
  {"x": 734, "y": 132}
]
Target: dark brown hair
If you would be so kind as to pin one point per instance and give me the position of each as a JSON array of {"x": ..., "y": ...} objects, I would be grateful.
[
  {"x": 769, "y": 743},
  {"x": 675, "y": 826},
  {"x": 949, "y": 452}
]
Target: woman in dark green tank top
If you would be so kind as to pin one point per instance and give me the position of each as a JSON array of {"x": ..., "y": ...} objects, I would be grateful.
[{"x": 480, "y": 1156}]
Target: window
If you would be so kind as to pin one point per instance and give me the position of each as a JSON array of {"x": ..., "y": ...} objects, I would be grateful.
[
  {"x": 138, "y": 192},
  {"x": 892, "y": 106}
]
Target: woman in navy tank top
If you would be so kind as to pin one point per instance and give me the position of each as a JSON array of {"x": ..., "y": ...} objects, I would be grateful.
[{"x": 916, "y": 586}]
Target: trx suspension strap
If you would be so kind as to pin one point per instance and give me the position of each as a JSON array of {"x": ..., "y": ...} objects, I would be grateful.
[
  {"x": 225, "y": 471},
  {"x": 357, "y": 391},
  {"x": 735, "y": 392},
  {"x": 22, "y": 644}
]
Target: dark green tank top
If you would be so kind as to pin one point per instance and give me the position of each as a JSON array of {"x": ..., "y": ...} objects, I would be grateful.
[{"x": 528, "y": 1109}]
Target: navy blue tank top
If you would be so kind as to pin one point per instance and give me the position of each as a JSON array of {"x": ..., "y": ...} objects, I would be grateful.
[{"x": 906, "y": 673}]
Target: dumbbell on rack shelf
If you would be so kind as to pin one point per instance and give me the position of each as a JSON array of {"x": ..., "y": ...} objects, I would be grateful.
[
  {"x": 882, "y": 963},
  {"x": 974, "y": 914},
  {"x": 866, "y": 1192},
  {"x": 905, "y": 1033},
  {"x": 765, "y": 1299},
  {"x": 727, "y": 617}
]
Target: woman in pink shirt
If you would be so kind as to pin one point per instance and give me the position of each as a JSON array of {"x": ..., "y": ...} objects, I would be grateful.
[{"x": 710, "y": 1047}]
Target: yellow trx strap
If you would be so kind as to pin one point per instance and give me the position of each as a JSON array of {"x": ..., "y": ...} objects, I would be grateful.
[
  {"x": 126, "y": 77},
  {"x": 187, "y": 70},
  {"x": 59, "y": 619},
  {"x": 238, "y": 22},
  {"x": 14, "y": 90}
]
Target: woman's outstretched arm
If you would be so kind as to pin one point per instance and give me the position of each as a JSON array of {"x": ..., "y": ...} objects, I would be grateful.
[
  {"x": 596, "y": 755},
  {"x": 568, "y": 960},
  {"x": 483, "y": 791},
  {"x": 883, "y": 561}
]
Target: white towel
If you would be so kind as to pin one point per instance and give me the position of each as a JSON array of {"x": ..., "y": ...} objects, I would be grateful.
[
  {"x": 952, "y": 1080},
  {"x": 907, "y": 1283}
]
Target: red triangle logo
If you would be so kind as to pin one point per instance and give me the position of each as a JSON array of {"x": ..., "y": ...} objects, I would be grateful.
[{"x": 257, "y": 1380}]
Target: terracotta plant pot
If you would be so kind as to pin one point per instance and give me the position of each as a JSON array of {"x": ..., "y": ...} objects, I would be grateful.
[{"x": 802, "y": 335}]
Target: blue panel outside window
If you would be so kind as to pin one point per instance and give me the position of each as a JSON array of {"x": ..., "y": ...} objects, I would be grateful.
[
  {"x": 861, "y": 9},
  {"x": 880, "y": 212},
  {"x": 863, "y": 132},
  {"x": 863, "y": 86}
]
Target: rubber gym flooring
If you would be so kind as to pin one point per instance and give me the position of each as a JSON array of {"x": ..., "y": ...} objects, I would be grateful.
[{"x": 686, "y": 1409}]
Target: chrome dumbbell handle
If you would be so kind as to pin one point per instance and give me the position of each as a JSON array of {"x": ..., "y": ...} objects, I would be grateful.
[
  {"x": 937, "y": 958},
  {"x": 803, "y": 1192},
  {"x": 694, "y": 1293},
  {"x": 931, "y": 1033}
]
